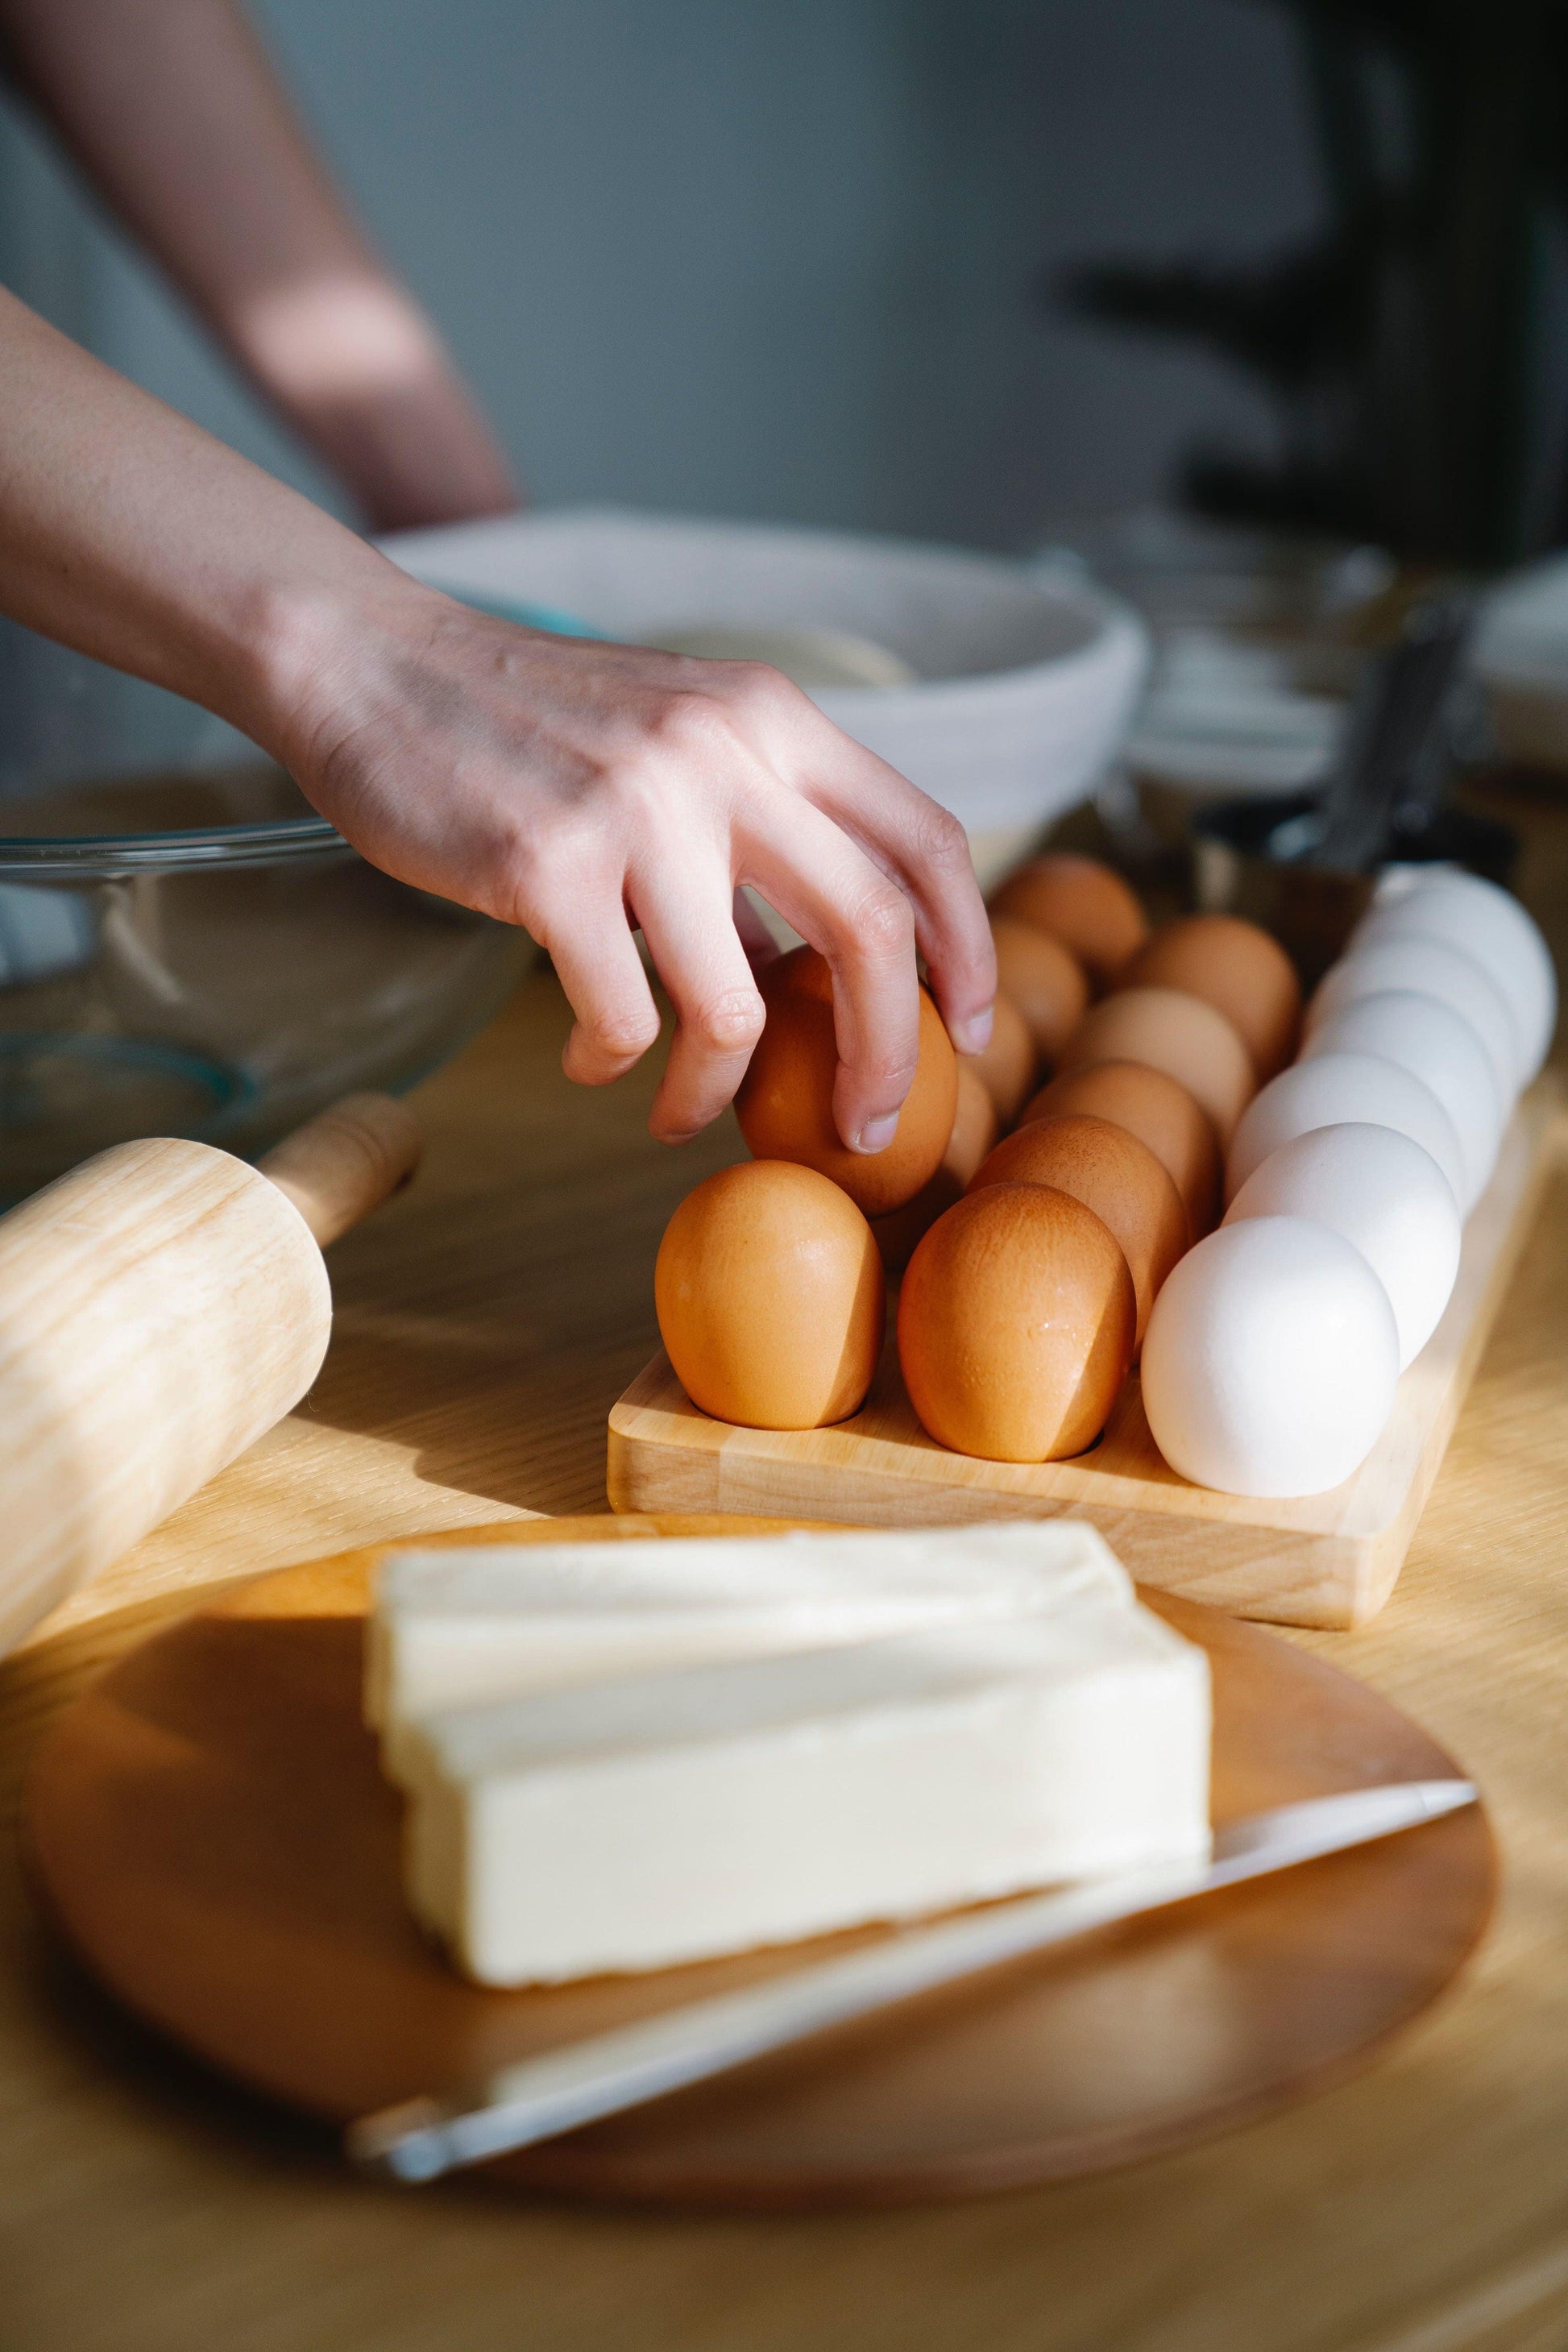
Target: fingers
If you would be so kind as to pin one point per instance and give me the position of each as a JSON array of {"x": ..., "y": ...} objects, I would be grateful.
[
  {"x": 916, "y": 843},
  {"x": 925, "y": 850},
  {"x": 597, "y": 964},
  {"x": 688, "y": 921},
  {"x": 740, "y": 781},
  {"x": 760, "y": 945},
  {"x": 836, "y": 897}
]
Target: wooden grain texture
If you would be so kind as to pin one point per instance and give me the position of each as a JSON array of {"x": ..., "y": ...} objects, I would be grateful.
[
  {"x": 161, "y": 1307},
  {"x": 210, "y": 1828},
  {"x": 1325, "y": 1560},
  {"x": 345, "y": 1162},
  {"x": 485, "y": 1323}
]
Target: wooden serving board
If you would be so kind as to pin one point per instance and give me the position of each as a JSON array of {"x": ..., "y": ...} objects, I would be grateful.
[
  {"x": 209, "y": 1828},
  {"x": 1326, "y": 1560}
]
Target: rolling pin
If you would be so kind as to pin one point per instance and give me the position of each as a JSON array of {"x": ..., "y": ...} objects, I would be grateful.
[{"x": 160, "y": 1306}]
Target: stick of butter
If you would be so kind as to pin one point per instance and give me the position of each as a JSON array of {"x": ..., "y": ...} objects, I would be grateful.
[
  {"x": 673, "y": 1815},
  {"x": 457, "y": 1627}
]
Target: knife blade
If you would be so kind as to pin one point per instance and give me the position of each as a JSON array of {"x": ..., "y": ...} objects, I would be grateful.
[{"x": 421, "y": 2138}]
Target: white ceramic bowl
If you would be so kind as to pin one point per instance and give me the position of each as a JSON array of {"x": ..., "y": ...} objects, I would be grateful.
[{"x": 1024, "y": 687}]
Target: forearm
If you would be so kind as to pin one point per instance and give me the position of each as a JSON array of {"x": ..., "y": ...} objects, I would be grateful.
[
  {"x": 130, "y": 534},
  {"x": 173, "y": 111}
]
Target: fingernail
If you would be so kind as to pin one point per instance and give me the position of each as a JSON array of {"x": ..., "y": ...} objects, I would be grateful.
[
  {"x": 876, "y": 1134},
  {"x": 973, "y": 1036}
]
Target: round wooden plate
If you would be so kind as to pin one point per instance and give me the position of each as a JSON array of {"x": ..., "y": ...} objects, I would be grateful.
[{"x": 210, "y": 1829}]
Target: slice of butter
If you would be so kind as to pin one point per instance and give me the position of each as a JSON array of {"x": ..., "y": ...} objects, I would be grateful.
[
  {"x": 457, "y": 1627},
  {"x": 671, "y": 1816}
]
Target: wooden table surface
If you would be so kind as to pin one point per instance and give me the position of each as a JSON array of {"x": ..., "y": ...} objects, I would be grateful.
[{"x": 485, "y": 1324}]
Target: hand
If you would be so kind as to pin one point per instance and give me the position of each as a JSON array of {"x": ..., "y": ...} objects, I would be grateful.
[
  {"x": 574, "y": 787},
  {"x": 581, "y": 789}
]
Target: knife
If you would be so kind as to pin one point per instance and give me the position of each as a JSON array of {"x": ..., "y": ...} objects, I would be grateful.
[{"x": 421, "y": 2138}]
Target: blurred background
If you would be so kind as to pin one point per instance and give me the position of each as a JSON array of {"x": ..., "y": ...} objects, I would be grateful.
[
  {"x": 767, "y": 261},
  {"x": 751, "y": 261},
  {"x": 999, "y": 274}
]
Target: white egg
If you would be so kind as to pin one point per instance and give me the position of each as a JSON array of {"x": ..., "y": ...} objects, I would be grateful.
[
  {"x": 1431, "y": 968},
  {"x": 1437, "y": 1046},
  {"x": 1388, "y": 1197},
  {"x": 1487, "y": 923},
  {"x": 1270, "y": 1361},
  {"x": 1330, "y": 1089}
]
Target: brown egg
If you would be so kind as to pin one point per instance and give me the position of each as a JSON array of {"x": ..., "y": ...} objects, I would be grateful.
[
  {"x": 1045, "y": 980},
  {"x": 771, "y": 1297},
  {"x": 974, "y": 1130},
  {"x": 1007, "y": 1067},
  {"x": 1177, "y": 1033},
  {"x": 1236, "y": 968},
  {"x": 1151, "y": 1106},
  {"x": 1016, "y": 1325},
  {"x": 1084, "y": 904},
  {"x": 1116, "y": 1176},
  {"x": 785, "y": 1103}
]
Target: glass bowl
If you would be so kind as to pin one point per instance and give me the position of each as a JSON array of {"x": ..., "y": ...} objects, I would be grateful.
[{"x": 200, "y": 954}]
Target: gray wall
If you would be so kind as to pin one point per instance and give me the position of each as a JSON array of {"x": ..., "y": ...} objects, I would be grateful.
[{"x": 760, "y": 259}]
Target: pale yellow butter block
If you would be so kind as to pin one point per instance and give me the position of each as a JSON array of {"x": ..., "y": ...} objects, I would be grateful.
[
  {"x": 457, "y": 1628},
  {"x": 673, "y": 1815}
]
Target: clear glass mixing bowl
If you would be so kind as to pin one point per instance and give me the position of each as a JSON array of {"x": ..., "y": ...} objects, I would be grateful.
[{"x": 200, "y": 954}]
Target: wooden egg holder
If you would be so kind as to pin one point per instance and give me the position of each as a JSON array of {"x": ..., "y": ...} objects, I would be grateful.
[{"x": 1324, "y": 1560}]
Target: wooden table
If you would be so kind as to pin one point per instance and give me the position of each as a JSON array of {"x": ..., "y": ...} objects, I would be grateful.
[{"x": 485, "y": 1324}]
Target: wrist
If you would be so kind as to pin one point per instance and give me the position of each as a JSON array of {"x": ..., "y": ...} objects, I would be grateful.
[{"x": 313, "y": 655}]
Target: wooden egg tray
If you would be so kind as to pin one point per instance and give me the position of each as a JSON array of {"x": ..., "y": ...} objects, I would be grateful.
[{"x": 1324, "y": 1560}]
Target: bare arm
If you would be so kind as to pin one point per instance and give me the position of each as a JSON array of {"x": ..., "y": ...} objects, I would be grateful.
[
  {"x": 576, "y": 788},
  {"x": 175, "y": 114}
]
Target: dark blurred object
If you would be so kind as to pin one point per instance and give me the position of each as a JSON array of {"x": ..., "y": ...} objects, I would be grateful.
[
  {"x": 1412, "y": 349},
  {"x": 1242, "y": 864},
  {"x": 1386, "y": 789},
  {"x": 1305, "y": 865}
]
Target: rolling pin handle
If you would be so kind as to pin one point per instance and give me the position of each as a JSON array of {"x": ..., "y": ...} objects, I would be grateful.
[{"x": 342, "y": 1165}]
